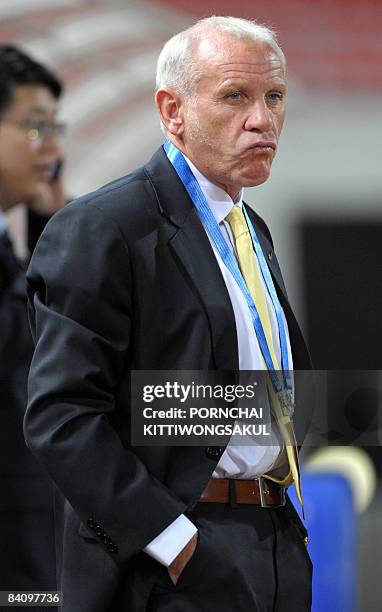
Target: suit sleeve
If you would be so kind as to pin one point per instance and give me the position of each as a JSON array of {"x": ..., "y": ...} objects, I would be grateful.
[{"x": 80, "y": 304}]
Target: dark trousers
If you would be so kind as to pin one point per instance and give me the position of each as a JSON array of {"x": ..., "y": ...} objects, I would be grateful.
[{"x": 248, "y": 559}]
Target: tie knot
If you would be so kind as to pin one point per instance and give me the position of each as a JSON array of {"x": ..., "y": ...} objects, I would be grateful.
[{"x": 237, "y": 222}]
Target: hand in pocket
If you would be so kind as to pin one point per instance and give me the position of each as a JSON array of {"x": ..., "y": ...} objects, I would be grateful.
[{"x": 180, "y": 562}]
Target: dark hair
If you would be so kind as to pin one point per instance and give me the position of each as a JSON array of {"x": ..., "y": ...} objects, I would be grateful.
[{"x": 17, "y": 68}]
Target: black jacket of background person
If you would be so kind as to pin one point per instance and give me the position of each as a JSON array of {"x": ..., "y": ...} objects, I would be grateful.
[
  {"x": 124, "y": 278},
  {"x": 27, "y": 560}
]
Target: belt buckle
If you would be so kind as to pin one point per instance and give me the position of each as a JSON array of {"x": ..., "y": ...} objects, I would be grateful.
[{"x": 264, "y": 492}]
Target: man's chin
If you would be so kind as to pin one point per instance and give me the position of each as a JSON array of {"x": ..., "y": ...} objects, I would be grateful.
[{"x": 254, "y": 180}]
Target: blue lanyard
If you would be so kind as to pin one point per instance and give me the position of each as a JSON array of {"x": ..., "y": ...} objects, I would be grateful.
[{"x": 209, "y": 222}]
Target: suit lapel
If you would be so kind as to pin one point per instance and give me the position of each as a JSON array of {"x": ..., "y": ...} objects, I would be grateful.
[{"x": 190, "y": 244}]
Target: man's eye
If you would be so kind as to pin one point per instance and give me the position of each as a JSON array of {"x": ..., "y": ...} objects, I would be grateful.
[
  {"x": 235, "y": 95},
  {"x": 275, "y": 96},
  {"x": 32, "y": 124}
]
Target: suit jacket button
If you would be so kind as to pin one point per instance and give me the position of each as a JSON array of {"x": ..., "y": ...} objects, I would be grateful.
[
  {"x": 213, "y": 452},
  {"x": 112, "y": 548},
  {"x": 91, "y": 523}
]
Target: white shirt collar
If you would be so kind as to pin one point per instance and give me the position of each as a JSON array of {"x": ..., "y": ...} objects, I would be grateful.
[{"x": 218, "y": 200}]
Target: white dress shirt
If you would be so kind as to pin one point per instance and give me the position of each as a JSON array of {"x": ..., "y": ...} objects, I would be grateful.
[{"x": 245, "y": 462}]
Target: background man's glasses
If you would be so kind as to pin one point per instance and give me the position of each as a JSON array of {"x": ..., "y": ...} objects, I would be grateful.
[{"x": 37, "y": 131}]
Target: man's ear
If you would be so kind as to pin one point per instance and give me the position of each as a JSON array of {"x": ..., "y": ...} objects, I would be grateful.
[{"x": 169, "y": 104}]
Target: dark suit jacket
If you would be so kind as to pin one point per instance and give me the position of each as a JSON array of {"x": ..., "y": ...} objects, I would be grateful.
[
  {"x": 124, "y": 278},
  {"x": 27, "y": 559}
]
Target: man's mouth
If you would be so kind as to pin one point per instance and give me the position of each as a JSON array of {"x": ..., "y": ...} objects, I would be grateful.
[{"x": 264, "y": 146}]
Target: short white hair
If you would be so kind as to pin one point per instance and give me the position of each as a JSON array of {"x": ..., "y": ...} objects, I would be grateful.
[{"x": 176, "y": 68}]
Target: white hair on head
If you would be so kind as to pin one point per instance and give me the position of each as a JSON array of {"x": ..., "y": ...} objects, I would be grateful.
[{"x": 176, "y": 68}]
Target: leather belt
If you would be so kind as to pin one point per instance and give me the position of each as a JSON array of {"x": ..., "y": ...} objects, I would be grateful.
[{"x": 261, "y": 491}]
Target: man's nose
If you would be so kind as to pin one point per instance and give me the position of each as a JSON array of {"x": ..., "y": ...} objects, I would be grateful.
[
  {"x": 51, "y": 144},
  {"x": 260, "y": 118}
]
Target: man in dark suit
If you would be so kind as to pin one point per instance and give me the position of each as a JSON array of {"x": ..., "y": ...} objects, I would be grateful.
[
  {"x": 136, "y": 277},
  {"x": 29, "y": 151}
]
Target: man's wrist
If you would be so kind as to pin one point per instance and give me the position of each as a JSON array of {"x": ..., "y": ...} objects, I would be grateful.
[{"x": 183, "y": 558}]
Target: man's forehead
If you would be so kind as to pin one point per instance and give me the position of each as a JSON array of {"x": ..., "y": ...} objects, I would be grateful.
[
  {"x": 257, "y": 62},
  {"x": 223, "y": 50},
  {"x": 34, "y": 98},
  {"x": 223, "y": 58}
]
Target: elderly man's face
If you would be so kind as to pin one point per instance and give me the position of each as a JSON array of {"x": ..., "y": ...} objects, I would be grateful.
[{"x": 232, "y": 128}]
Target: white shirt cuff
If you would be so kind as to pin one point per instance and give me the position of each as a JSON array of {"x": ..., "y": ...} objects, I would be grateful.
[{"x": 168, "y": 544}]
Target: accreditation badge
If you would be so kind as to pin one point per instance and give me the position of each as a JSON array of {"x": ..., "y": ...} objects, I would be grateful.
[{"x": 287, "y": 404}]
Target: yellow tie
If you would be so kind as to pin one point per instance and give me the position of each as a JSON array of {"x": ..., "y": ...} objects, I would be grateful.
[{"x": 251, "y": 274}]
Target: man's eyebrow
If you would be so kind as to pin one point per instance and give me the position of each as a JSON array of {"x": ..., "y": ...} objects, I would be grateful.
[
  {"x": 40, "y": 110},
  {"x": 238, "y": 80}
]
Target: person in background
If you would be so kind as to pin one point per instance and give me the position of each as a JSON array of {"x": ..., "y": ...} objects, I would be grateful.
[{"x": 30, "y": 172}]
